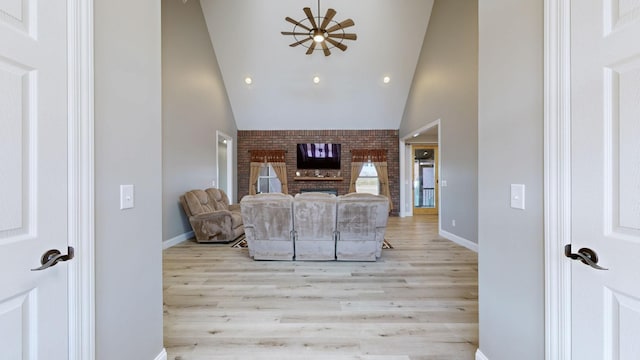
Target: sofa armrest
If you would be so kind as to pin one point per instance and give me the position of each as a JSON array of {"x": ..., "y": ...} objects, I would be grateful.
[
  {"x": 218, "y": 214},
  {"x": 211, "y": 224}
]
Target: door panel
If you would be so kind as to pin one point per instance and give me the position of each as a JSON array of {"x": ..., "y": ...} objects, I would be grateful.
[
  {"x": 33, "y": 178},
  {"x": 18, "y": 312},
  {"x": 15, "y": 137},
  {"x": 623, "y": 148},
  {"x": 605, "y": 188}
]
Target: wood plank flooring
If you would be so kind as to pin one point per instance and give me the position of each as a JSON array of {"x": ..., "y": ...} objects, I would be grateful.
[{"x": 419, "y": 301}]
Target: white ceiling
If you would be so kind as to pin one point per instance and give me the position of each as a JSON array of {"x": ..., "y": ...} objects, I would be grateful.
[{"x": 351, "y": 94}]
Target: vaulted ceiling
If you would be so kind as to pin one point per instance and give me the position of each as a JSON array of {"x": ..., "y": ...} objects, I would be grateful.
[{"x": 351, "y": 93}]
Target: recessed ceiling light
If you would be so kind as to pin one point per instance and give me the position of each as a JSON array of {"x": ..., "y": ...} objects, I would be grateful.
[
  {"x": 386, "y": 79},
  {"x": 248, "y": 80},
  {"x": 416, "y": 134},
  {"x": 316, "y": 79}
]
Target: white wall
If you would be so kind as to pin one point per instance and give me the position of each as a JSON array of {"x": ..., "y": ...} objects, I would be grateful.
[
  {"x": 511, "y": 262},
  {"x": 445, "y": 87},
  {"x": 194, "y": 106},
  {"x": 128, "y": 151}
]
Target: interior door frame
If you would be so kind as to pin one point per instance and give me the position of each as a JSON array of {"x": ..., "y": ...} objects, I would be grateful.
[
  {"x": 230, "y": 187},
  {"x": 81, "y": 208},
  {"x": 406, "y": 166},
  {"x": 436, "y": 154},
  {"x": 557, "y": 177}
]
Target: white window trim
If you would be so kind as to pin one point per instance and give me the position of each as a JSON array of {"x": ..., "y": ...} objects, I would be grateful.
[
  {"x": 360, "y": 176},
  {"x": 272, "y": 175}
]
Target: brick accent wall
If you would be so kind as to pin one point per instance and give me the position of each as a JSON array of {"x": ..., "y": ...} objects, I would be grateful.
[{"x": 349, "y": 139}]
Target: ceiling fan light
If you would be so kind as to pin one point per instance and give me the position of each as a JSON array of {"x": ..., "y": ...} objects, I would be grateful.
[{"x": 317, "y": 32}]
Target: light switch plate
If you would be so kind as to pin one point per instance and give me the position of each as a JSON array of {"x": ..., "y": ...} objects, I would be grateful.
[
  {"x": 126, "y": 197},
  {"x": 517, "y": 196}
]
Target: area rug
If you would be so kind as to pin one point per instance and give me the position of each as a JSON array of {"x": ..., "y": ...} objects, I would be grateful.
[{"x": 242, "y": 243}]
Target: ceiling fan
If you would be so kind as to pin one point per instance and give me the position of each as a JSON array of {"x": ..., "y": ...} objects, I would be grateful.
[{"x": 319, "y": 32}]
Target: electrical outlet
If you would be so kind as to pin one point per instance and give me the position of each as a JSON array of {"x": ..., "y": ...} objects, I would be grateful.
[{"x": 453, "y": 222}]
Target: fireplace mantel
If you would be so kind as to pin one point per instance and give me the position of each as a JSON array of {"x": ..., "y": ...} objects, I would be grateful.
[{"x": 318, "y": 178}]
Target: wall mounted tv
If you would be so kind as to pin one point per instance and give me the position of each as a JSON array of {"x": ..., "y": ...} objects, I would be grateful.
[{"x": 318, "y": 156}]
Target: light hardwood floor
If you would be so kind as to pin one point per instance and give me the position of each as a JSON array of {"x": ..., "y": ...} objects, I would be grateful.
[{"x": 418, "y": 301}]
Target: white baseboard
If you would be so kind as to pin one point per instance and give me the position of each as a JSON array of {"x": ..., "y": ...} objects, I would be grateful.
[
  {"x": 177, "y": 240},
  {"x": 480, "y": 355},
  {"x": 162, "y": 355},
  {"x": 459, "y": 240}
]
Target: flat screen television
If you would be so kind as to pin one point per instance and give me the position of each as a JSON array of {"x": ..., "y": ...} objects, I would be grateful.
[{"x": 318, "y": 156}]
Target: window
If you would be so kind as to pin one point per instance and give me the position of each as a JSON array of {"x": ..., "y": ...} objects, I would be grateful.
[
  {"x": 368, "y": 180},
  {"x": 268, "y": 181}
]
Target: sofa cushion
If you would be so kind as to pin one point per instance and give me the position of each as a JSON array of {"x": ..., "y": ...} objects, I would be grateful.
[
  {"x": 315, "y": 226},
  {"x": 218, "y": 198},
  {"x": 198, "y": 202},
  {"x": 236, "y": 219}
]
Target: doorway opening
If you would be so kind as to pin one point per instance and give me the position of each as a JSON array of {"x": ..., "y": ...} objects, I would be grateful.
[
  {"x": 425, "y": 179},
  {"x": 420, "y": 180},
  {"x": 224, "y": 157}
]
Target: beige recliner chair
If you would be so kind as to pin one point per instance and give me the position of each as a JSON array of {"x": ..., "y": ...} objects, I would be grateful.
[
  {"x": 212, "y": 218},
  {"x": 361, "y": 223},
  {"x": 314, "y": 216},
  {"x": 268, "y": 224}
]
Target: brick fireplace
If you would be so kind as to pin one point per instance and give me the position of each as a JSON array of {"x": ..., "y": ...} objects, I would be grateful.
[{"x": 349, "y": 139}]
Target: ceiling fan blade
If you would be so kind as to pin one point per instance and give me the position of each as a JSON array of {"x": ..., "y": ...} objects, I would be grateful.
[
  {"x": 297, "y": 23},
  {"x": 327, "y": 18},
  {"x": 310, "y": 17},
  {"x": 300, "y": 42},
  {"x": 342, "y": 25},
  {"x": 325, "y": 48},
  {"x": 344, "y": 36},
  {"x": 339, "y": 45},
  {"x": 293, "y": 33},
  {"x": 311, "y": 48}
]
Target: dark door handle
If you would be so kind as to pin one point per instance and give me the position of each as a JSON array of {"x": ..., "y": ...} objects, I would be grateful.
[
  {"x": 586, "y": 255},
  {"x": 53, "y": 256}
]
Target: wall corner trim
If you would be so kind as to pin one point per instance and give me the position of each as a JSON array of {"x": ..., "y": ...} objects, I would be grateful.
[
  {"x": 162, "y": 355},
  {"x": 459, "y": 240},
  {"x": 480, "y": 355},
  {"x": 176, "y": 240}
]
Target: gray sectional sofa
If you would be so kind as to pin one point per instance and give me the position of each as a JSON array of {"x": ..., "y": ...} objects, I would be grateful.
[{"x": 315, "y": 226}]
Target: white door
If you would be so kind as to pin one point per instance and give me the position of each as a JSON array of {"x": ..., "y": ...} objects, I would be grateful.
[
  {"x": 605, "y": 147},
  {"x": 33, "y": 178}
]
